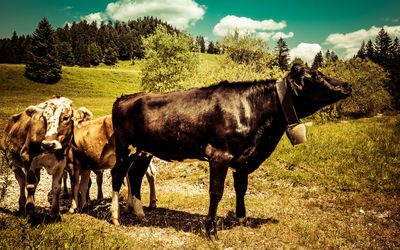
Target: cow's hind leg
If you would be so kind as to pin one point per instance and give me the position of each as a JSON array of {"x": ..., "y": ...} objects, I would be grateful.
[
  {"x": 20, "y": 176},
  {"x": 84, "y": 187},
  {"x": 118, "y": 174},
  {"x": 64, "y": 182},
  {"x": 99, "y": 181},
  {"x": 151, "y": 178},
  {"x": 136, "y": 173},
  {"x": 75, "y": 182},
  {"x": 240, "y": 183}
]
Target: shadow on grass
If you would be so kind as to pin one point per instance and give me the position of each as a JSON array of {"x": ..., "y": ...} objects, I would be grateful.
[
  {"x": 157, "y": 217},
  {"x": 40, "y": 217},
  {"x": 180, "y": 220}
]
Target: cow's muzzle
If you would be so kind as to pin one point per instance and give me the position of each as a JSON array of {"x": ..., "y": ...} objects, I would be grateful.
[{"x": 51, "y": 145}]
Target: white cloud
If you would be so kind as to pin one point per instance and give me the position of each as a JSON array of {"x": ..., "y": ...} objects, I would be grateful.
[
  {"x": 265, "y": 35},
  {"x": 245, "y": 24},
  {"x": 178, "y": 13},
  {"x": 351, "y": 42},
  {"x": 283, "y": 35},
  {"x": 305, "y": 51},
  {"x": 98, "y": 17}
]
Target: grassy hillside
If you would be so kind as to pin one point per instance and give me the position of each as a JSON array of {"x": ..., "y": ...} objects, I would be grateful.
[
  {"x": 94, "y": 88},
  {"x": 339, "y": 190}
]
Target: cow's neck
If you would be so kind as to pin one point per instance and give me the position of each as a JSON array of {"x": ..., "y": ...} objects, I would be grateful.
[{"x": 270, "y": 130}]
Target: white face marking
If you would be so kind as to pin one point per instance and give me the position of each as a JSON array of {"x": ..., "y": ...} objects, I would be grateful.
[{"x": 52, "y": 112}]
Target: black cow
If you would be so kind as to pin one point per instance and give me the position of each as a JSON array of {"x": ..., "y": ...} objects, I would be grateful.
[{"x": 235, "y": 125}]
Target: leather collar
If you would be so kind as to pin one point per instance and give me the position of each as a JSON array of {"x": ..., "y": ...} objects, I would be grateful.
[{"x": 286, "y": 103}]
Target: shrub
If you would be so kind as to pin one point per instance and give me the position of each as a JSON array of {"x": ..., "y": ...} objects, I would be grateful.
[
  {"x": 168, "y": 60},
  {"x": 369, "y": 96}
]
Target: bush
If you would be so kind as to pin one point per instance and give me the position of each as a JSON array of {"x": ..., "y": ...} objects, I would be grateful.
[
  {"x": 168, "y": 61},
  {"x": 248, "y": 50},
  {"x": 369, "y": 96}
]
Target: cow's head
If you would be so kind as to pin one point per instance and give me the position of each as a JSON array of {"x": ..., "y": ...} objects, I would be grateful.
[
  {"x": 312, "y": 90},
  {"x": 58, "y": 117}
]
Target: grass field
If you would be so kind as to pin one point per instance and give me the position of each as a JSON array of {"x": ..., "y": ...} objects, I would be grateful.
[{"x": 339, "y": 190}]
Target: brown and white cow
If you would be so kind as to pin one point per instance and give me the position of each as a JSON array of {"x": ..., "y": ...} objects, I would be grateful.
[
  {"x": 94, "y": 150},
  {"x": 37, "y": 138}
]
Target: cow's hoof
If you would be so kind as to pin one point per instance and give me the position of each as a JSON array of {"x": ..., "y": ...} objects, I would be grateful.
[
  {"x": 211, "y": 230},
  {"x": 153, "y": 204},
  {"x": 71, "y": 210},
  {"x": 127, "y": 210},
  {"x": 144, "y": 219},
  {"x": 212, "y": 236},
  {"x": 29, "y": 209},
  {"x": 242, "y": 221},
  {"x": 115, "y": 221},
  {"x": 56, "y": 217}
]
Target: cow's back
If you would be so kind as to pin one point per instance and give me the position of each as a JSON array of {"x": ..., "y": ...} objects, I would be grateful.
[{"x": 95, "y": 144}]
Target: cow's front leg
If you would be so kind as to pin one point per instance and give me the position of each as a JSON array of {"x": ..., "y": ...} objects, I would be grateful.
[
  {"x": 32, "y": 180},
  {"x": 240, "y": 183},
  {"x": 21, "y": 178},
  {"x": 218, "y": 173},
  {"x": 56, "y": 189}
]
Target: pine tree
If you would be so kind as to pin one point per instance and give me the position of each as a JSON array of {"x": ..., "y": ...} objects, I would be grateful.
[
  {"x": 65, "y": 55},
  {"x": 42, "y": 64},
  {"x": 200, "y": 42},
  {"x": 81, "y": 53},
  {"x": 334, "y": 57},
  {"x": 362, "y": 52},
  {"x": 94, "y": 54},
  {"x": 383, "y": 44},
  {"x": 211, "y": 48},
  {"x": 370, "y": 51},
  {"x": 282, "y": 53},
  {"x": 111, "y": 55},
  {"x": 396, "y": 51},
  {"x": 328, "y": 55},
  {"x": 318, "y": 59}
]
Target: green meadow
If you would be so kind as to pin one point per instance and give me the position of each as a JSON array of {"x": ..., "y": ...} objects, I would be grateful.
[{"x": 339, "y": 190}]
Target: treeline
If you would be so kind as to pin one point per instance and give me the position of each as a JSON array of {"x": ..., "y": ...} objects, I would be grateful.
[
  {"x": 386, "y": 53},
  {"x": 86, "y": 44}
]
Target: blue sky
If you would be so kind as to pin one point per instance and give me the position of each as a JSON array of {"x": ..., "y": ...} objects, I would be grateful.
[{"x": 306, "y": 26}]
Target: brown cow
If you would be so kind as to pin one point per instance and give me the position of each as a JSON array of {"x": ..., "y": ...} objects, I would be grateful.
[
  {"x": 41, "y": 137},
  {"x": 94, "y": 150}
]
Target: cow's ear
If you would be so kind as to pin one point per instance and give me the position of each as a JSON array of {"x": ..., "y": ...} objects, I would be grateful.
[
  {"x": 81, "y": 115},
  {"x": 34, "y": 112}
]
